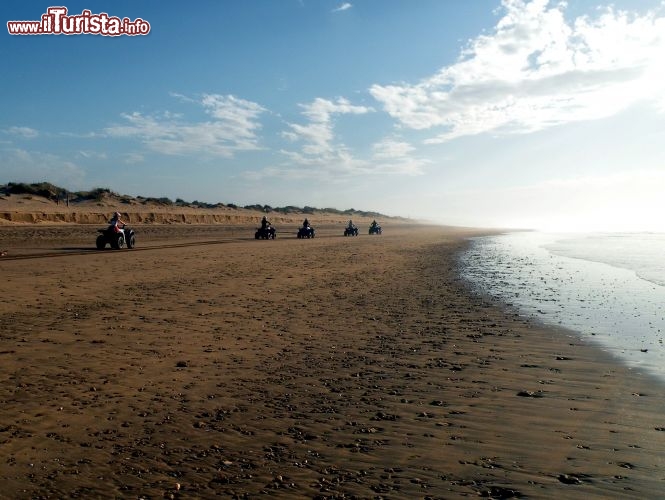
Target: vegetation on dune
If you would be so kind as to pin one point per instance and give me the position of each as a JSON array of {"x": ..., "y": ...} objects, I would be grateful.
[
  {"x": 53, "y": 192},
  {"x": 43, "y": 189},
  {"x": 57, "y": 193}
]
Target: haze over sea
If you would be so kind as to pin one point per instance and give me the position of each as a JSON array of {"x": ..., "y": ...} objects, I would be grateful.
[{"x": 608, "y": 287}]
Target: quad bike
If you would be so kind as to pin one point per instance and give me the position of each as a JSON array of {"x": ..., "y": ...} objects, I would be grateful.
[
  {"x": 118, "y": 240},
  {"x": 351, "y": 231},
  {"x": 375, "y": 229},
  {"x": 265, "y": 233},
  {"x": 306, "y": 232}
]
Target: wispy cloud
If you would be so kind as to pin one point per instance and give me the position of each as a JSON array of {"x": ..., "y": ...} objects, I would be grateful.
[
  {"x": 391, "y": 155},
  {"x": 93, "y": 155},
  {"x": 84, "y": 135},
  {"x": 343, "y": 7},
  {"x": 133, "y": 158},
  {"x": 232, "y": 128},
  {"x": 537, "y": 70},
  {"x": 23, "y": 132},
  {"x": 182, "y": 97},
  {"x": 316, "y": 136},
  {"x": 389, "y": 148},
  {"x": 320, "y": 154}
]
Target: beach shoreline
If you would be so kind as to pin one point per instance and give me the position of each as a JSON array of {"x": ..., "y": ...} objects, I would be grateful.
[
  {"x": 611, "y": 306},
  {"x": 334, "y": 366}
]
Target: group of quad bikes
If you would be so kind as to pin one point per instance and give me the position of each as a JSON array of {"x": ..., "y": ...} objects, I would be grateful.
[
  {"x": 125, "y": 238},
  {"x": 352, "y": 230},
  {"x": 307, "y": 231},
  {"x": 268, "y": 232}
]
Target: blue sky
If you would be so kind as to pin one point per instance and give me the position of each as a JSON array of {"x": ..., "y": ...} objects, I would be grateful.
[{"x": 486, "y": 113}]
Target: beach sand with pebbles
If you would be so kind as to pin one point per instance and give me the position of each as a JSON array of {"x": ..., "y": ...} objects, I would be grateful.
[{"x": 205, "y": 363}]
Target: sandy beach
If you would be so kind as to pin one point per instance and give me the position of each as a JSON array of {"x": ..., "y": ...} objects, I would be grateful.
[{"x": 205, "y": 364}]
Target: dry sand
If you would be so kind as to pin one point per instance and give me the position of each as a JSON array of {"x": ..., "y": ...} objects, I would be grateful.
[{"x": 328, "y": 368}]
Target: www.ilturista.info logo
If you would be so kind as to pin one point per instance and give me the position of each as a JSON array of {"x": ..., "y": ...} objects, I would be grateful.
[{"x": 56, "y": 22}]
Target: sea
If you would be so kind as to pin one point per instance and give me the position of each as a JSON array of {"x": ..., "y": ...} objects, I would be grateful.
[{"x": 607, "y": 287}]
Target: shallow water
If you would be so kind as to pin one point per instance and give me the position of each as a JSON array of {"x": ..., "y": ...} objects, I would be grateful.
[{"x": 608, "y": 287}]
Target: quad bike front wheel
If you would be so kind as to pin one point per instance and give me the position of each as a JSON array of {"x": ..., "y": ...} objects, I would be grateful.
[
  {"x": 131, "y": 241},
  {"x": 119, "y": 242}
]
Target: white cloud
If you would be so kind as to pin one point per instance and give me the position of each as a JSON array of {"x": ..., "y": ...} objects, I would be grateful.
[
  {"x": 232, "y": 129},
  {"x": 238, "y": 114},
  {"x": 93, "y": 155},
  {"x": 23, "y": 132},
  {"x": 131, "y": 158},
  {"x": 393, "y": 156},
  {"x": 390, "y": 156},
  {"x": 321, "y": 110},
  {"x": 317, "y": 135},
  {"x": 343, "y": 7},
  {"x": 537, "y": 70},
  {"x": 331, "y": 169},
  {"x": 321, "y": 156},
  {"x": 182, "y": 97},
  {"x": 390, "y": 148},
  {"x": 399, "y": 166},
  {"x": 85, "y": 135}
]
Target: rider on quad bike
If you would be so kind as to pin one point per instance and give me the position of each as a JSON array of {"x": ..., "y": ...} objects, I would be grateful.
[
  {"x": 306, "y": 231},
  {"x": 350, "y": 229},
  {"x": 374, "y": 228},
  {"x": 116, "y": 223},
  {"x": 266, "y": 231},
  {"x": 117, "y": 234}
]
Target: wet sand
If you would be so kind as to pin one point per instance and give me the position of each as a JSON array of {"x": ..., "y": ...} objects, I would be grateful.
[{"x": 326, "y": 368}]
